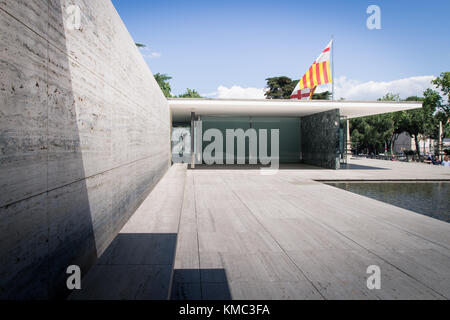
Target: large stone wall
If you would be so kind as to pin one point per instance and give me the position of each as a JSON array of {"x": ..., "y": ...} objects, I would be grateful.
[
  {"x": 320, "y": 139},
  {"x": 84, "y": 137}
]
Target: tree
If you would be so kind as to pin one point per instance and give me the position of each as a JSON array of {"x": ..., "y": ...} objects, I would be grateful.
[
  {"x": 375, "y": 132},
  {"x": 424, "y": 121},
  {"x": 431, "y": 108},
  {"x": 326, "y": 95},
  {"x": 412, "y": 123},
  {"x": 372, "y": 132},
  {"x": 442, "y": 116},
  {"x": 395, "y": 117},
  {"x": 140, "y": 45},
  {"x": 390, "y": 97},
  {"x": 190, "y": 94},
  {"x": 443, "y": 113},
  {"x": 443, "y": 83},
  {"x": 358, "y": 136},
  {"x": 163, "y": 82},
  {"x": 280, "y": 87}
]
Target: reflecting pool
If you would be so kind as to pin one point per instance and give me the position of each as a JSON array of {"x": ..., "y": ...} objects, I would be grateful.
[{"x": 428, "y": 198}]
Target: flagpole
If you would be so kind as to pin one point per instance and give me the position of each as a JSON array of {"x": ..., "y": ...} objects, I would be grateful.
[{"x": 332, "y": 67}]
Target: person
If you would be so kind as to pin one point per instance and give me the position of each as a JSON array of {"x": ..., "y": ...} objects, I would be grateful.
[
  {"x": 435, "y": 161},
  {"x": 446, "y": 162}
]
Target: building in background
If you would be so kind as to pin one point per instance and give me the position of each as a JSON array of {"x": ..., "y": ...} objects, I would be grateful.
[
  {"x": 311, "y": 132},
  {"x": 405, "y": 142}
]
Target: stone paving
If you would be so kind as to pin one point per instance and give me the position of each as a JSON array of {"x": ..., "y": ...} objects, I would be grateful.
[{"x": 219, "y": 233}]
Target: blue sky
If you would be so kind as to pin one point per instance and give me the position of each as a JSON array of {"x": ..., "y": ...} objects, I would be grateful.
[{"x": 210, "y": 44}]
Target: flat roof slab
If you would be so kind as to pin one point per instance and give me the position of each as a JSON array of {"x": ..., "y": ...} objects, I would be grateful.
[{"x": 181, "y": 108}]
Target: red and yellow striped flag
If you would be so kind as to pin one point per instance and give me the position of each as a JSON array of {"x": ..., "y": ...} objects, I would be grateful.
[{"x": 319, "y": 73}]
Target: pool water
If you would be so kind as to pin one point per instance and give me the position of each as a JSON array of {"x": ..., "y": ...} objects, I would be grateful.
[{"x": 428, "y": 198}]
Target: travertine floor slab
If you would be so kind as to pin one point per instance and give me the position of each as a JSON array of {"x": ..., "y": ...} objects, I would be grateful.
[{"x": 243, "y": 235}]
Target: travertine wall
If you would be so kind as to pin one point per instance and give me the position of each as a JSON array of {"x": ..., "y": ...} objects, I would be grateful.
[
  {"x": 320, "y": 139},
  {"x": 84, "y": 136}
]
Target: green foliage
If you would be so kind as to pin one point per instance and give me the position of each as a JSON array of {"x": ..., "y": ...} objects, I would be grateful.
[
  {"x": 140, "y": 45},
  {"x": 443, "y": 84},
  {"x": 190, "y": 94},
  {"x": 424, "y": 121},
  {"x": 371, "y": 133},
  {"x": 409, "y": 152},
  {"x": 390, "y": 97},
  {"x": 414, "y": 98},
  {"x": 376, "y": 131},
  {"x": 163, "y": 82},
  {"x": 280, "y": 87},
  {"x": 413, "y": 124},
  {"x": 432, "y": 103},
  {"x": 326, "y": 95}
]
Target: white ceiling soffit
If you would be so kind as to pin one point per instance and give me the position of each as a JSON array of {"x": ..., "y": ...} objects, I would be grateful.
[{"x": 181, "y": 108}]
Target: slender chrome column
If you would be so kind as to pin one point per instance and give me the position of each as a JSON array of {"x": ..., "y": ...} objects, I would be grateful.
[{"x": 192, "y": 140}]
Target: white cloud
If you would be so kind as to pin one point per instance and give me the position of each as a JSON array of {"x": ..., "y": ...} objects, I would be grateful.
[
  {"x": 344, "y": 88},
  {"x": 372, "y": 90},
  {"x": 236, "y": 92},
  {"x": 155, "y": 54},
  {"x": 151, "y": 55},
  {"x": 148, "y": 53}
]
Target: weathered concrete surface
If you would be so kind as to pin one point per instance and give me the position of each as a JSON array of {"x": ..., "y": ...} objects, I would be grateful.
[
  {"x": 84, "y": 137},
  {"x": 243, "y": 235},
  {"x": 320, "y": 139},
  {"x": 138, "y": 264}
]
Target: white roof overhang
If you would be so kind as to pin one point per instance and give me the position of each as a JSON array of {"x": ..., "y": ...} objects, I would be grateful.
[{"x": 181, "y": 108}]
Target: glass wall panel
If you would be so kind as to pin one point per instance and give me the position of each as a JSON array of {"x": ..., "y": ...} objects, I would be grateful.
[
  {"x": 289, "y": 133},
  {"x": 343, "y": 139}
]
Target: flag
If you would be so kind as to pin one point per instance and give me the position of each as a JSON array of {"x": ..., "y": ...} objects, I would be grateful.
[
  {"x": 319, "y": 73},
  {"x": 303, "y": 94}
]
